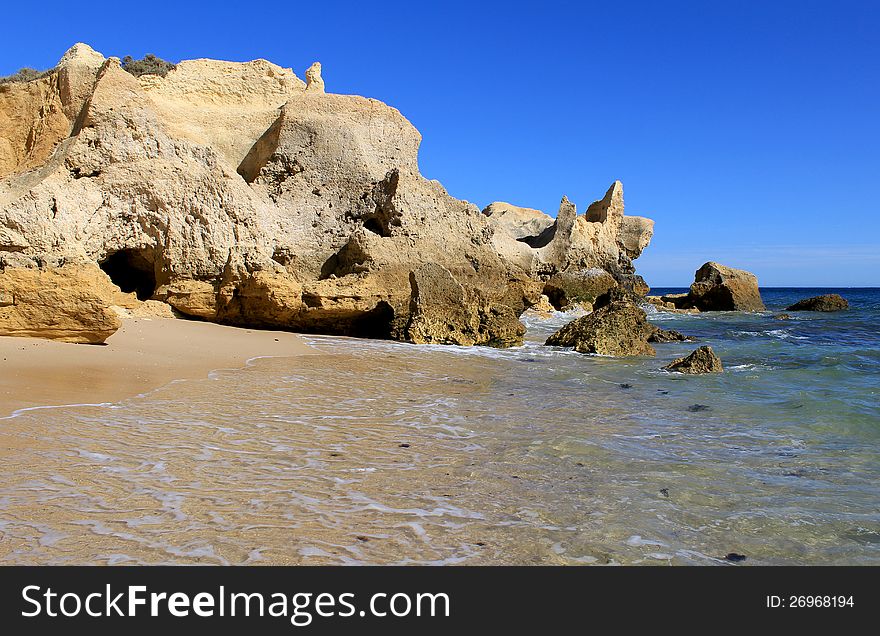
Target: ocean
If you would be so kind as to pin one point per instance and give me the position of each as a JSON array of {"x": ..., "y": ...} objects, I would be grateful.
[{"x": 389, "y": 453}]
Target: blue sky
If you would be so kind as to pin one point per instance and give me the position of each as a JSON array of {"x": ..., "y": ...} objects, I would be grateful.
[{"x": 749, "y": 131}]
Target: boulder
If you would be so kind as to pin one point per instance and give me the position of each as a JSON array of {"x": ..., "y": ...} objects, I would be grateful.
[
  {"x": 578, "y": 286},
  {"x": 826, "y": 302},
  {"x": 618, "y": 329},
  {"x": 70, "y": 303},
  {"x": 782, "y": 317},
  {"x": 618, "y": 295},
  {"x": 717, "y": 287},
  {"x": 702, "y": 360},
  {"x": 192, "y": 298}
]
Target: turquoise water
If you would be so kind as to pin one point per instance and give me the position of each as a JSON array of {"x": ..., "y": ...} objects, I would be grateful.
[{"x": 380, "y": 452}]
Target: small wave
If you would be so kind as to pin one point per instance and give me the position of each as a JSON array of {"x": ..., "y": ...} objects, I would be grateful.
[
  {"x": 752, "y": 366},
  {"x": 780, "y": 334}
]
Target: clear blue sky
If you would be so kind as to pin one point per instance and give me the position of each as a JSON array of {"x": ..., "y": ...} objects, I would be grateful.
[{"x": 750, "y": 131}]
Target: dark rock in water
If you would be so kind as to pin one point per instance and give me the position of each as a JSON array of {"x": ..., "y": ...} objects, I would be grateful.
[
  {"x": 665, "y": 492},
  {"x": 661, "y": 336},
  {"x": 703, "y": 360},
  {"x": 581, "y": 286},
  {"x": 826, "y": 302},
  {"x": 699, "y": 408},
  {"x": 626, "y": 386},
  {"x": 618, "y": 329},
  {"x": 735, "y": 558},
  {"x": 618, "y": 295},
  {"x": 782, "y": 317}
]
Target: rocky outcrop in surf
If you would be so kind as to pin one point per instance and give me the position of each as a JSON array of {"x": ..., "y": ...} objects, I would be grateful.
[
  {"x": 238, "y": 193},
  {"x": 825, "y": 302},
  {"x": 702, "y": 360},
  {"x": 717, "y": 287},
  {"x": 618, "y": 329}
]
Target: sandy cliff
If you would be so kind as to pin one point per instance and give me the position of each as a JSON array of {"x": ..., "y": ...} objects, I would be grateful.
[{"x": 238, "y": 193}]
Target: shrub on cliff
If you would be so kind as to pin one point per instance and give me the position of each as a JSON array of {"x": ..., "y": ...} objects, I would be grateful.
[
  {"x": 25, "y": 74},
  {"x": 150, "y": 65}
]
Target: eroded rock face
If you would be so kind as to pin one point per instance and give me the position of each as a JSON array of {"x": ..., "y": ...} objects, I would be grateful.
[
  {"x": 442, "y": 313},
  {"x": 601, "y": 238},
  {"x": 241, "y": 194},
  {"x": 70, "y": 303},
  {"x": 826, "y": 302},
  {"x": 717, "y": 287},
  {"x": 618, "y": 329},
  {"x": 702, "y": 360},
  {"x": 564, "y": 289}
]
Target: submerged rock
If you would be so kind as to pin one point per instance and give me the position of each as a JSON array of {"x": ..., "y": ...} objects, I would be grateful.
[
  {"x": 702, "y": 360},
  {"x": 826, "y": 302},
  {"x": 668, "y": 335},
  {"x": 618, "y": 329},
  {"x": 782, "y": 317}
]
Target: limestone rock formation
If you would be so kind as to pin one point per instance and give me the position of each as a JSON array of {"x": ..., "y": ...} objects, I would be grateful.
[
  {"x": 567, "y": 288},
  {"x": 67, "y": 303},
  {"x": 717, "y": 287},
  {"x": 567, "y": 252},
  {"x": 826, "y": 302},
  {"x": 238, "y": 193},
  {"x": 618, "y": 329},
  {"x": 702, "y": 360},
  {"x": 442, "y": 313},
  {"x": 314, "y": 82},
  {"x": 543, "y": 307}
]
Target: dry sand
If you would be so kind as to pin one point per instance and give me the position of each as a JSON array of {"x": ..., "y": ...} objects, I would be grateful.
[{"x": 143, "y": 355}]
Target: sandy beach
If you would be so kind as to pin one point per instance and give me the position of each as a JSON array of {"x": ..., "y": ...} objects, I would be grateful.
[{"x": 143, "y": 355}]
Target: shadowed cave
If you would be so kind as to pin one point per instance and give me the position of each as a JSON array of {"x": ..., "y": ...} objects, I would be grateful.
[{"x": 132, "y": 271}]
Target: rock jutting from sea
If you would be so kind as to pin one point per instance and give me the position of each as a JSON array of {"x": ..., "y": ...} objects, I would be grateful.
[
  {"x": 238, "y": 193},
  {"x": 716, "y": 287},
  {"x": 825, "y": 302}
]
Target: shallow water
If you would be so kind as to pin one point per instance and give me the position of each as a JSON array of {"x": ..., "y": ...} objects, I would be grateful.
[{"x": 379, "y": 452}]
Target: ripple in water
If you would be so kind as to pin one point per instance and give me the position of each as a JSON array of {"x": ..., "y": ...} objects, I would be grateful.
[{"x": 377, "y": 452}]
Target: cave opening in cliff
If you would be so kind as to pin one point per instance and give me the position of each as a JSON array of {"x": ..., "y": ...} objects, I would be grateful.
[
  {"x": 132, "y": 270},
  {"x": 374, "y": 324}
]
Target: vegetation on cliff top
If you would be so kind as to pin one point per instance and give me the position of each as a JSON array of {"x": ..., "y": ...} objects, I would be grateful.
[
  {"x": 25, "y": 74},
  {"x": 150, "y": 65}
]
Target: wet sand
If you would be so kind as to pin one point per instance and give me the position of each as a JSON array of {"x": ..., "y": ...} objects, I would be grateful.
[{"x": 143, "y": 355}]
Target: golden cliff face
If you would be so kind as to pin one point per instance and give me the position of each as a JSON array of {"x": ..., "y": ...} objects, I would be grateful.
[{"x": 242, "y": 194}]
